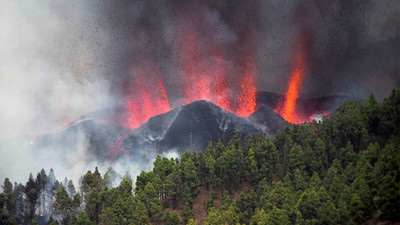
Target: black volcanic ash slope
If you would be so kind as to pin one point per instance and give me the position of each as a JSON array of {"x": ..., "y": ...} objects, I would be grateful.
[
  {"x": 191, "y": 128},
  {"x": 265, "y": 118}
]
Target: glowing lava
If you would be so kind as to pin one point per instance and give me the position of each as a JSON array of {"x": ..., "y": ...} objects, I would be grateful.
[
  {"x": 220, "y": 96},
  {"x": 196, "y": 83},
  {"x": 204, "y": 73},
  {"x": 287, "y": 109},
  {"x": 204, "y": 70},
  {"x": 247, "y": 89},
  {"x": 149, "y": 98}
]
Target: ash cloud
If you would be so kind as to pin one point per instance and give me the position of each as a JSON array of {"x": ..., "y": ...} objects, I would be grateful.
[{"x": 353, "y": 46}]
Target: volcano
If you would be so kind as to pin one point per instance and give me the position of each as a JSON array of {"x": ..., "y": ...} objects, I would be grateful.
[
  {"x": 102, "y": 136},
  {"x": 191, "y": 127}
]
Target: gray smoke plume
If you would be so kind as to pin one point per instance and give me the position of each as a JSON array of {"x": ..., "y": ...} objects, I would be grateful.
[{"x": 352, "y": 46}]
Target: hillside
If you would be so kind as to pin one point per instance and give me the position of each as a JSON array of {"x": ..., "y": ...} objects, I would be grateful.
[
  {"x": 189, "y": 127},
  {"x": 343, "y": 170}
]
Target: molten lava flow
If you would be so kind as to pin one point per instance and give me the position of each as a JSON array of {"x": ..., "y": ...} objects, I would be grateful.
[
  {"x": 247, "y": 97},
  {"x": 197, "y": 83},
  {"x": 247, "y": 89},
  {"x": 220, "y": 96},
  {"x": 204, "y": 73},
  {"x": 149, "y": 98},
  {"x": 204, "y": 77},
  {"x": 287, "y": 109}
]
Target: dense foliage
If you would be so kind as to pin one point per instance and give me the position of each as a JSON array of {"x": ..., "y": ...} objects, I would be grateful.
[{"x": 344, "y": 170}]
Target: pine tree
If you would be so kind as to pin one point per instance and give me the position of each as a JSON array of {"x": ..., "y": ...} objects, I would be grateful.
[
  {"x": 300, "y": 183},
  {"x": 226, "y": 165},
  {"x": 187, "y": 212},
  {"x": 253, "y": 168},
  {"x": 260, "y": 217},
  {"x": 213, "y": 217},
  {"x": 309, "y": 204},
  {"x": 387, "y": 175},
  {"x": 10, "y": 204},
  {"x": 93, "y": 206},
  {"x": 83, "y": 219},
  {"x": 76, "y": 202},
  {"x": 49, "y": 194},
  {"x": 356, "y": 209},
  {"x": 108, "y": 217},
  {"x": 320, "y": 152},
  {"x": 63, "y": 203},
  {"x": 210, "y": 163},
  {"x": 171, "y": 218},
  {"x": 315, "y": 181},
  {"x": 3, "y": 215},
  {"x": 229, "y": 215},
  {"x": 370, "y": 110},
  {"x": 211, "y": 198},
  {"x": 32, "y": 195},
  {"x": 125, "y": 187},
  {"x": 140, "y": 214},
  {"x": 296, "y": 158},
  {"x": 191, "y": 222},
  {"x": 389, "y": 123},
  {"x": 42, "y": 181},
  {"x": 150, "y": 199},
  {"x": 109, "y": 177},
  {"x": 190, "y": 177},
  {"x": 71, "y": 188},
  {"x": 19, "y": 200},
  {"x": 277, "y": 216},
  {"x": 328, "y": 214}
]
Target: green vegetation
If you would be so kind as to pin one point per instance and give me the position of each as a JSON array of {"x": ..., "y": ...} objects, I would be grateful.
[{"x": 343, "y": 170}]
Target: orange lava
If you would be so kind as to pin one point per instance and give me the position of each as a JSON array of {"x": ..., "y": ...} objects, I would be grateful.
[
  {"x": 287, "y": 109},
  {"x": 149, "y": 98},
  {"x": 220, "y": 96},
  {"x": 247, "y": 91},
  {"x": 205, "y": 76}
]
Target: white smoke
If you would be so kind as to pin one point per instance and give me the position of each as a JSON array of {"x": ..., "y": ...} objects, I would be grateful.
[
  {"x": 24, "y": 155},
  {"x": 51, "y": 73}
]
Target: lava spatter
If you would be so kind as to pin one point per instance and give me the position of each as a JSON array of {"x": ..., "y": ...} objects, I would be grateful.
[{"x": 288, "y": 107}]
